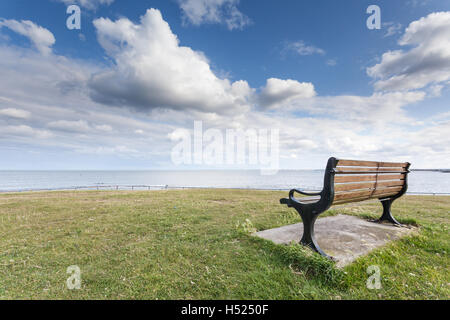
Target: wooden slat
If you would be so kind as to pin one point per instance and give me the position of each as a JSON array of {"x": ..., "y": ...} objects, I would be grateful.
[
  {"x": 344, "y": 179},
  {"x": 368, "y": 170},
  {"x": 352, "y": 195},
  {"x": 376, "y": 196},
  {"x": 367, "y": 193},
  {"x": 362, "y": 199},
  {"x": 394, "y": 183},
  {"x": 367, "y": 185},
  {"x": 387, "y": 190},
  {"x": 309, "y": 199},
  {"x": 354, "y": 186},
  {"x": 350, "y": 200},
  {"x": 358, "y": 163}
]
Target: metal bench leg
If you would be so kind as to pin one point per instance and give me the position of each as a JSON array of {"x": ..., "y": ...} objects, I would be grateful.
[
  {"x": 308, "y": 238},
  {"x": 387, "y": 215}
]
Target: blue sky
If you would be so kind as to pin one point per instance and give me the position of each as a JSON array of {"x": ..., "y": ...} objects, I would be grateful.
[
  {"x": 340, "y": 30},
  {"x": 107, "y": 97}
]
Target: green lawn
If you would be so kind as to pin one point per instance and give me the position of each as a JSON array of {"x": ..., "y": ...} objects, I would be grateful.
[{"x": 195, "y": 244}]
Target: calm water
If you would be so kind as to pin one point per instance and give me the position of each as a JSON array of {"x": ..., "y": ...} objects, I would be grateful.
[{"x": 420, "y": 182}]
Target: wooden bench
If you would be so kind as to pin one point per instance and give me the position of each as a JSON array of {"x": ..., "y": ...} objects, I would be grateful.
[{"x": 350, "y": 181}]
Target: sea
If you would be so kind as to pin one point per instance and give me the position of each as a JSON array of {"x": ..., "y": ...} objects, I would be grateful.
[{"x": 419, "y": 182}]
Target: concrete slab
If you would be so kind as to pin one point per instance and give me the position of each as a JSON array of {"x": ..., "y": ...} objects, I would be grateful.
[{"x": 343, "y": 237}]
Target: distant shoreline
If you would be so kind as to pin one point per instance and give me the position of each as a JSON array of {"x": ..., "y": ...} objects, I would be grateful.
[
  {"x": 433, "y": 170},
  {"x": 425, "y": 181},
  {"x": 161, "y": 188},
  {"x": 181, "y": 170}
]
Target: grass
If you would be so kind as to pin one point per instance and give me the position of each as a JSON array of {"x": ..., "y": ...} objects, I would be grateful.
[{"x": 195, "y": 244}]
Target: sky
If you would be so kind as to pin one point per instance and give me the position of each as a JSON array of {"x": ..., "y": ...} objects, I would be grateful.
[{"x": 121, "y": 92}]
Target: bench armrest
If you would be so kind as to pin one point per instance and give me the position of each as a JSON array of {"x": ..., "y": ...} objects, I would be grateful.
[
  {"x": 291, "y": 193},
  {"x": 292, "y": 200},
  {"x": 286, "y": 202}
]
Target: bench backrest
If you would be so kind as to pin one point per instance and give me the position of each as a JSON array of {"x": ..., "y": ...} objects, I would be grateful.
[{"x": 355, "y": 180}]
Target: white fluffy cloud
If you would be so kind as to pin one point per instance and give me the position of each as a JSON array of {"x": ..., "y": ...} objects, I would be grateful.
[
  {"x": 46, "y": 105},
  {"x": 392, "y": 28},
  {"x": 88, "y": 4},
  {"x": 214, "y": 11},
  {"x": 15, "y": 113},
  {"x": 153, "y": 71},
  {"x": 23, "y": 131},
  {"x": 46, "y": 109},
  {"x": 277, "y": 92},
  {"x": 378, "y": 108},
  {"x": 42, "y": 38},
  {"x": 72, "y": 126},
  {"x": 301, "y": 48},
  {"x": 427, "y": 62}
]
